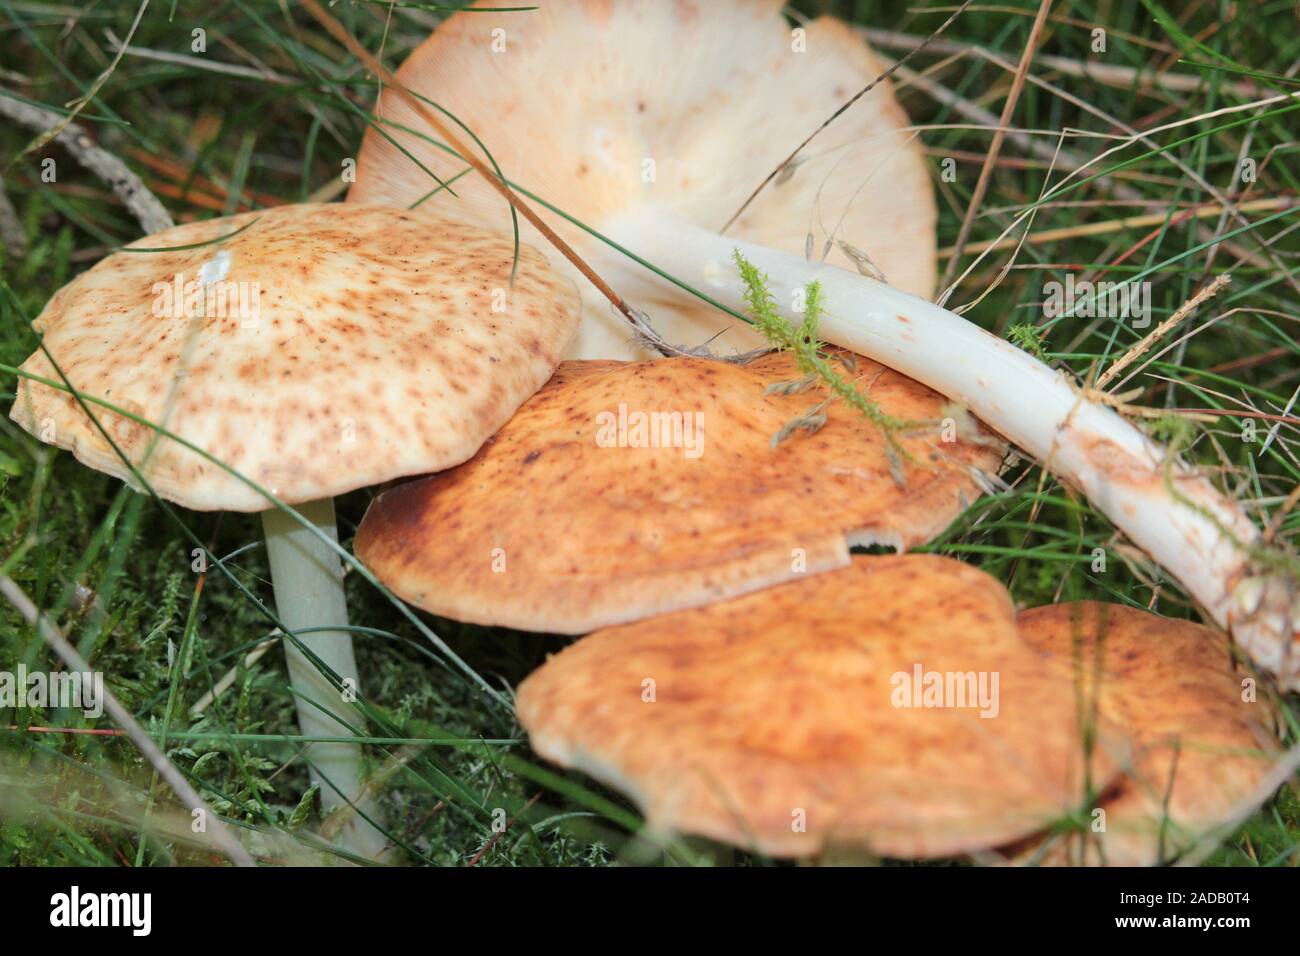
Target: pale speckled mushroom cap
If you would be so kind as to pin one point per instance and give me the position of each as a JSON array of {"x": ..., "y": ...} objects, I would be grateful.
[
  {"x": 1203, "y": 738},
  {"x": 320, "y": 349},
  {"x": 600, "y": 107},
  {"x": 787, "y": 721},
  {"x": 623, "y": 490}
]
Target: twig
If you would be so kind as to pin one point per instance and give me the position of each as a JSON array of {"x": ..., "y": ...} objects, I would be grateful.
[
  {"x": 84, "y": 100},
  {"x": 1124, "y": 223},
  {"x": 1141, "y": 411},
  {"x": 222, "y": 836},
  {"x": 1159, "y": 332},
  {"x": 978, "y": 114},
  {"x": 82, "y": 731},
  {"x": 116, "y": 46},
  {"x": 11, "y": 227},
  {"x": 150, "y": 213},
  {"x": 1125, "y": 77},
  {"x": 995, "y": 147},
  {"x": 1059, "y": 156},
  {"x": 1147, "y": 139}
]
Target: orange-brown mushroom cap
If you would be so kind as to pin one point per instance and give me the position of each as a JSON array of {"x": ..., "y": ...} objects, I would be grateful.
[
  {"x": 793, "y": 720},
  {"x": 623, "y": 490},
  {"x": 1203, "y": 737},
  {"x": 318, "y": 349},
  {"x": 602, "y": 108}
]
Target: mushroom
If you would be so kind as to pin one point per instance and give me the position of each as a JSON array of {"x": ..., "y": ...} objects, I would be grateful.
[
  {"x": 1203, "y": 736},
  {"x": 647, "y": 178},
  {"x": 623, "y": 490},
  {"x": 314, "y": 350},
  {"x": 805, "y": 717},
  {"x": 613, "y": 138}
]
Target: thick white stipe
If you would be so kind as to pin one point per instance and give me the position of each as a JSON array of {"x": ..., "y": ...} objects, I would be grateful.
[
  {"x": 308, "y": 580},
  {"x": 1195, "y": 533}
]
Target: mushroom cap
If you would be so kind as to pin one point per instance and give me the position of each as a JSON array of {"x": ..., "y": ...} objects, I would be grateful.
[
  {"x": 782, "y": 707},
  {"x": 560, "y": 525},
  {"x": 684, "y": 106},
  {"x": 1172, "y": 687},
  {"x": 364, "y": 347}
]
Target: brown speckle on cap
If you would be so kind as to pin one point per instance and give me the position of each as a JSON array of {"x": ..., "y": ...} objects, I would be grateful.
[
  {"x": 1201, "y": 745},
  {"x": 304, "y": 381},
  {"x": 780, "y": 723},
  {"x": 574, "y": 515}
]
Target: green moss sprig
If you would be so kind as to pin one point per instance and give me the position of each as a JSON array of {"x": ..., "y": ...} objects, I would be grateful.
[
  {"x": 804, "y": 343},
  {"x": 1030, "y": 338}
]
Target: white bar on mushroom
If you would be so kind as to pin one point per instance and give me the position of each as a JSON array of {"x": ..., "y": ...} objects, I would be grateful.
[{"x": 1198, "y": 535}]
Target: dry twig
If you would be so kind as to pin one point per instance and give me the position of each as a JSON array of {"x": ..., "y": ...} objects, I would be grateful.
[
  {"x": 995, "y": 147},
  {"x": 12, "y": 235},
  {"x": 146, "y": 208},
  {"x": 222, "y": 836},
  {"x": 1159, "y": 332}
]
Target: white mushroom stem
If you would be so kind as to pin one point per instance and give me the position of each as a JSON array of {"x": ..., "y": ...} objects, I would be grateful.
[
  {"x": 308, "y": 580},
  {"x": 1199, "y": 536}
]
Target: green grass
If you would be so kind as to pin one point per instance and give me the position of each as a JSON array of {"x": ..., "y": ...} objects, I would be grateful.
[{"x": 452, "y": 754}]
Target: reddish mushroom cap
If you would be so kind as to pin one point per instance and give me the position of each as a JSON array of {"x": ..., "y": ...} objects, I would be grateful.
[
  {"x": 806, "y": 716},
  {"x": 1203, "y": 733},
  {"x": 623, "y": 490}
]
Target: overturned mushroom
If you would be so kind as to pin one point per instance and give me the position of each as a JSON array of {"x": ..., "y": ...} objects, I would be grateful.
[
  {"x": 658, "y": 169},
  {"x": 314, "y": 349},
  {"x": 889, "y": 706},
  {"x": 1202, "y": 734},
  {"x": 623, "y": 490},
  {"x": 613, "y": 139}
]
